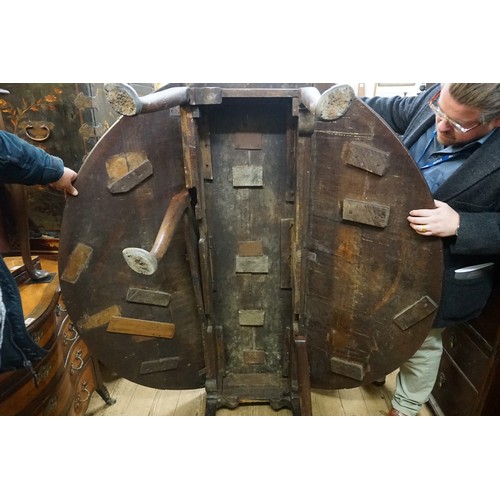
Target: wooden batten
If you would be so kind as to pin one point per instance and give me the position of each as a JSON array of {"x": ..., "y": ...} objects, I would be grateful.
[{"x": 133, "y": 326}]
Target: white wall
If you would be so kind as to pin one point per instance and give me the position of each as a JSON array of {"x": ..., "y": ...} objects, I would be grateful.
[{"x": 386, "y": 89}]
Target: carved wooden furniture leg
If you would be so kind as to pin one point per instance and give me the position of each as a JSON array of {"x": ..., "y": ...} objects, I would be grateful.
[
  {"x": 101, "y": 389},
  {"x": 20, "y": 206},
  {"x": 211, "y": 406},
  {"x": 144, "y": 262},
  {"x": 329, "y": 106},
  {"x": 125, "y": 100}
]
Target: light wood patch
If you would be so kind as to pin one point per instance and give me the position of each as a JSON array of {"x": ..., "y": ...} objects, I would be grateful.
[{"x": 133, "y": 326}]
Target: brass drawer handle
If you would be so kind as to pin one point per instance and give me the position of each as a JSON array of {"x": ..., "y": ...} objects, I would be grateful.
[
  {"x": 80, "y": 401},
  {"x": 441, "y": 380},
  {"x": 51, "y": 406},
  {"x": 453, "y": 341},
  {"x": 42, "y": 132},
  {"x": 84, "y": 389},
  {"x": 43, "y": 373},
  {"x": 68, "y": 339},
  {"x": 37, "y": 336},
  {"x": 78, "y": 357},
  {"x": 60, "y": 309}
]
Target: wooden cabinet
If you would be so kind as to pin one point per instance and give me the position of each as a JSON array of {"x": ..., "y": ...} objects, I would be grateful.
[
  {"x": 64, "y": 380},
  {"x": 66, "y": 120},
  {"x": 79, "y": 364},
  {"x": 468, "y": 382}
]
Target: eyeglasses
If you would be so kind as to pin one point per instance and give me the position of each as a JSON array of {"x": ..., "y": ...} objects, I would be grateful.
[{"x": 437, "y": 111}]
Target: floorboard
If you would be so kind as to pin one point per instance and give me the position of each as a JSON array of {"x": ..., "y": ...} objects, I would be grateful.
[{"x": 136, "y": 400}]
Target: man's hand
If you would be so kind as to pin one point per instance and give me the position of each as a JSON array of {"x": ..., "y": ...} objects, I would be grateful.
[
  {"x": 440, "y": 221},
  {"x": 66, "y": 182}
]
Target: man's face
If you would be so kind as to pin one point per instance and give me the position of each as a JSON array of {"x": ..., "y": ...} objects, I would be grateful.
[{"x": 466, "y": 116}]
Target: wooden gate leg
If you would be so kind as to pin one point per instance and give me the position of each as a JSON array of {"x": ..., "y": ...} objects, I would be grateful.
[{"x": 303, "y": 375}]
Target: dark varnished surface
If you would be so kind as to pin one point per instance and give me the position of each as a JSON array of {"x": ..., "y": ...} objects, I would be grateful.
[
  {"x": 108, "y": 223},
  {"x": 350, "y": 281},
  {"x": 359, "y": 276}
]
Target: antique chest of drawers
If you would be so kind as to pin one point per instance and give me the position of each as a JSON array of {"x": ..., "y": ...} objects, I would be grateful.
[
  {"x": 64, "y": 380},
  {"x": 469, "y": 376}
]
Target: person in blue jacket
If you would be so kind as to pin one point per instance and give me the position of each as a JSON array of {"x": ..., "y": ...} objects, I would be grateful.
[
  {"x": 23, "y": 163},
  {"x": 452, "y": 132}
]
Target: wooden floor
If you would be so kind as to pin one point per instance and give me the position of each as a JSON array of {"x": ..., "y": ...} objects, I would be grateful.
[{"x": 136, "y": 400}]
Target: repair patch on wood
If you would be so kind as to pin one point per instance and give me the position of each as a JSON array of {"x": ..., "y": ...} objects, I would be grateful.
[
  {"x": 159, "y": 365},
  {"x": 415, "y": 313},
  {"x": 254, "y": 357},
  {"x": 127, "y": 170},
  {"x": 132, "y": 179},
  {"x": 150, "y": 297},
  {"x": 252, "y": 265},
  {"x": 247, "y": 176},
  {"x": 133, "y": 326},
  {"x": 247, "y": 140},
  {"x": 365, "y": 157},
  {"x": 119, "y": 165},
  {"x": 251, "y": 317},
  {"x": 98, "y": 319},
  {"x": 77, "y": 262},
  {"x": 347, "y": 368},
  {"x": 250, "y": 248},
  {"x": 372, "y": 214}
]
